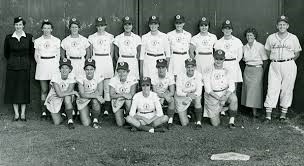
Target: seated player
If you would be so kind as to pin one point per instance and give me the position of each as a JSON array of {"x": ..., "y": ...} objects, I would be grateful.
[
  {"x": 90, "y": 91},
  {"x": 164, "y": 86},
  {"x": 219, "y": 91},
  {"x": 62, "y": 85},
  {"x": 146, "y": 112},
  {"x": 189, "y": 90},
  {"x": 122, "y": 90}
]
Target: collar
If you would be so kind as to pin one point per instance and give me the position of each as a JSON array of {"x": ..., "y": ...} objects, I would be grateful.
[
  {"x": 22, "y": 34},
  {"x": 253, "y": 44}
]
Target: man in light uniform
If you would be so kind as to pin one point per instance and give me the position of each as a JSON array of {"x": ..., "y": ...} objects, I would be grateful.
[
  {"x": 155, "y": 45},
  {"x": 163, "y": 85},
  {"x": 179, "y": 40},
  {"x": 189, "y": 90},
  {"x": 102, "y": 46},
  {"x": 201, "y": 46},
  {"x": 219, "y": 88},
  {"x": 127, "y": 47},
  {"x": 283, "y": 49}
]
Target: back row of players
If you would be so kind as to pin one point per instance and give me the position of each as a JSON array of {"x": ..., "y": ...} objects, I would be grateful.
[{"x": 156, "y": 53}]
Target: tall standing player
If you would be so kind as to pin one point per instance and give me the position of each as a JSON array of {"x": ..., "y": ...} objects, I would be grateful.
[
  {"x": 127, "y": 47},
  {"x": 155, "y": 45},
  {"x": 179, "y": 40},
  {"x": 47, "y": 55},
  {"x": 102, "y": 46},
  {"x": 283, "y": 49}
]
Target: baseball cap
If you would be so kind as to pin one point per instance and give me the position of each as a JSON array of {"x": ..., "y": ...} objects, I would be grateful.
[
  {"x": 178, "y": 19},
  {"x": 89, "y": 62},
  {"x": 219, "y": 54},
  {"x": 74, "y": 21},
  {"x": 122, "y": 66},
  {"x": 153, "y": 19},
  {"x": 227, "y": 24},
  {"x": 65, "y": 61},
  {"x": 127, "y": 20},
  {"x": 282, "y": 18},
  {"x": 190, "y": 61},
  {"x": 146, "y": 81},
  {"x": 100, "y": 21},
  {"x": 204, "y": 21},
  {"x": 161, "y": 63}
]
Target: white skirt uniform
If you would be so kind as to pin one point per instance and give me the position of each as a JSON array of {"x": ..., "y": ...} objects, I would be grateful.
[
  {"x": 47, "y": 54},
  {"x": 53, "y": 103},
  {"x": 90, "y": 86},
  {"x": 104, "y": 66},
  {"x": 177, "y": 63}
]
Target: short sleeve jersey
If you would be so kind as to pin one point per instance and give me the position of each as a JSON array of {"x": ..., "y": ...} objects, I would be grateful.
[
  {"x": 127, "y": 44},
  {"x": 185, "y": 84},
  {"x": 63, "y": 84},
  {"x": 101, "y": 43},
  {"x": 47, "y": 47},
  {"x": 122, "y": 87},
  {"x": 233, "y": 47},
  {"x": 281, "y": 49},
  {"x": 202, "y": 43},
  {"x": 90, "y": 86},
  {"x": 75, "y": 47},
  {"x": 179, "y": 42},
  {"x": 162, "y": 84}
]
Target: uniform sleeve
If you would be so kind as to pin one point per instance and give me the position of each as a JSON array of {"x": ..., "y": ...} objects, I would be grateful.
[
  {"x": 143, "y": 48},
  {"x": 90, "y": 38},
  {"x": 115, "y": 41},
  {"x": 86, "y": 43},
  {"x": 72, "y": 78},
  {"x": 158, "y": 107},
  {"x": 239, "y": 50},
  {"x": 36, "y": 43},
  {"x": 231, "y": 83},
  {"x": 55, "y": 78},
  {"x": 79, "y": 80},
  {"x": 111, "y": 82},
  {"x": 171, "y": 80},
  {"x": 63, "y": 44},
  {"x": 199, "y": 85},
  {"x": 179, "y": 87},
  {"x": 217, "y": 45},
  {"x": 297, "y": 46},
  {"x": 262, "y": 52},
  {"x": 167, "y": 46},
  {"x": 193, "y": 41},
  {"x": 134, "y": 105},
  {"x": 138, "y": 40},
  {"x": 268, "y": 44},
  {"x": 100, "y": 79},
  {"x": 207, "y": 80}
]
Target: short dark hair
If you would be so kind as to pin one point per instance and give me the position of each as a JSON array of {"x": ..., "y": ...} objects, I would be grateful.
[
  {"x": 46, "y": 23},
  {"x": 251, "y": 30}
]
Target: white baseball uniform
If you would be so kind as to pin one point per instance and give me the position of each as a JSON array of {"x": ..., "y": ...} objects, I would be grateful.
[
  {"x": 75, "y": 51},
  {"x": 185, "y": 85},
  {"x": 233, "y": 49},
  {"x": 147, "y": 107},
  {"x": 282, "y": 75},
  {"x": 203, "y": 50},
  {"x": 102, "y": 54},
  {"x": 218, "y": 81},
  {"x": 154, "y": 47},
  {"x": 128, "y": 51},
  {"x": 120, "y": 88},
  {"x": 90, "y": 86},
  {"x": 162, "y": 84},
  {"x": 47, "y": 55},
  {"x": 179, "y": 50},
  {"x": 53, "y": 102}
]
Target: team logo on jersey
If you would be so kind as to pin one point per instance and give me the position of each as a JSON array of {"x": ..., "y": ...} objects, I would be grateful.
[
  {"x": 227, "y": 46},
  {"x": 127, "y": 42},
  {"x": 74, "y": 44},
  {"x": 205, "y": 42},
  {"x": 155, "y": 42},
  {"x": 179, "y": 39},
  {"x": 46, "y": 45},
  {"x": 160, "y": 85},
  {"x": 188, "y": 84},
  {"x": 146, "y": 106},
  {"x": 101, "y": 41},
  {"x": 122, "y": 89}
]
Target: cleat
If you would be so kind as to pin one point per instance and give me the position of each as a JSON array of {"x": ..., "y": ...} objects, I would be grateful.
[
  {"x": 170, "y": 126},
  {"x": 96, "y": 125},
  {"x": 231, "y": 126},
  {"x": 71, "y": 126},
  {"x": 267, "y": 121},
  {"x": 198, "y": 126}
]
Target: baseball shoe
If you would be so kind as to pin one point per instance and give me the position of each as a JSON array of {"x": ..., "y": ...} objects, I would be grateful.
[
  {"x": 159, "y": 129},
  {"x": 95, "y": 125},
  {"x": 170, "y": 126},
  {"x": 198, "y": 126},
  {"x": 231, "y": 126},
  {"x": 267, "y": 121},
  {"x": 133, "y": 129},
  {"x": 71, "y": 126}
]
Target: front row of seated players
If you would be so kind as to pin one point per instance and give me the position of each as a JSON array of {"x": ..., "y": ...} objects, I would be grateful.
[{"x": 144, "y": 109}]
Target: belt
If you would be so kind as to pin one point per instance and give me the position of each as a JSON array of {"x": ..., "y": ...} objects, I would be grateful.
[
  {"x": 204, "y": 53},
  {"x": 220, "y": 90},
  {"x": 47, "y": 57},
  {"x": 127, "y": 56},
  {"x": 146, "y": 112},
  {"x": 155, "y": 55},
  {"x": 101, "y": 54},
  {"x": 282, "y": 60},
  {"x": 254, "y": 65},
  {"x": 233, "y": 59},
  {"x": 180, "y": 53},
  {"x": 75, "y": 57}
]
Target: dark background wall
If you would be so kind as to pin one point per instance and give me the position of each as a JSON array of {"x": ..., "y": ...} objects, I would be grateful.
[{"x": 260, "y": 14}]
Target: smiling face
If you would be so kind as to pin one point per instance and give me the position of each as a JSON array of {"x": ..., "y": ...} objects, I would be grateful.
[
  {"x": 282, "y": 26},
  {"x": 218, "y": 61},
  {"x": 47, "y": 29},
  {"x": 122, "y": 74},
  {"x": 190, "y": 70},
  {"x": 89, "y": 71},
  {"x": 146, "y": 89},
  {"x": 19, "y": 26},
  {"x": 162, "y": 71},
  {"x": 65, "y": 71},
  {"x": 250, "y": 37},
  {"x": 179, "y": 26},
  {"x": 227, "y": 31},
  {"x": 154, "y": 27},
  {"x": 128, "y": 27},
  {"x": 74, "y": 29},
  {"x": 204, "y": 28}
]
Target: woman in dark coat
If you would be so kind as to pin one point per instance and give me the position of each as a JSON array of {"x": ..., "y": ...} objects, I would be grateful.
[{"x": 18, "y": 51}]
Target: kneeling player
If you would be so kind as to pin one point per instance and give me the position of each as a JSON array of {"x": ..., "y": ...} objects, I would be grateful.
[
  {"x": 122, "y": 89},
  {"x": 62, "y": 85},
  {"x": 219, "y": 91},
  {"x": 90, "y": 90},
  {"x": 146, "y": 112},
  {"x": 189, "y": 90},
  {"x": 163, "y": 86}
]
